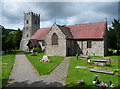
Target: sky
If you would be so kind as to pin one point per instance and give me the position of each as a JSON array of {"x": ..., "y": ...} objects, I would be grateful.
[{"x": 65, "y": 13}]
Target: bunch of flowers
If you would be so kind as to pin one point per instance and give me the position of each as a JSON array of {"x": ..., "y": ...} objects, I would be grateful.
[
  {"x": 96, "y": 76},
  {"x": 104, "y": 84},
  {"x": 44, "y": 61}
]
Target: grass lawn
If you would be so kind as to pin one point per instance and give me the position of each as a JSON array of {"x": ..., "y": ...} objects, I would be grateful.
[
  {"x": 44, "y": 67},
  {"x": 6, "y": 68},
  {"x": 75, "y": 74}
]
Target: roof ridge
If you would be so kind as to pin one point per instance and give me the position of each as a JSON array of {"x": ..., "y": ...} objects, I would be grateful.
[
  {"x": 86, "y": 23},
  {"x": 63, "y": 26},
  {"x": 79, "y": 31},
  {"x": 74, "y": 24}
]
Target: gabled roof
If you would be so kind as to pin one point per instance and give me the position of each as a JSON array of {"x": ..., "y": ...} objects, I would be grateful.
[
  {"x": 79, "y": 31},
  {"x": 88, "y": 30},
  {"x": 40, "y": 34},
  {"x": 66, "y": 31},
  {"x": 33, "y": 41}
]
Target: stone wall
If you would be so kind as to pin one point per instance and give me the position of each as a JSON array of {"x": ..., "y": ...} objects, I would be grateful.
[
  {"x": 55, "y": 50},
  {"x": 97, "y": 48},
  {"x": 31, "y": 25},
  {"x": 23, "y": 44},
  {"x": 80, "y": 47}
]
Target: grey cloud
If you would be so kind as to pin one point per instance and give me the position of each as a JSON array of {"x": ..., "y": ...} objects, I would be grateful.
[
  {"x": 110, "y": 8},
  {"x": 56, "y": 10},
  {"x": 11, "y": 18},
  {"x": 82, "y": 11}
]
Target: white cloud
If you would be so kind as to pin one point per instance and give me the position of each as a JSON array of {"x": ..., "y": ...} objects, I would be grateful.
[
  {"x": 71, "y": 20},
  {"x": 46, "y": 24},
  {"x": 66, "y": 13}
]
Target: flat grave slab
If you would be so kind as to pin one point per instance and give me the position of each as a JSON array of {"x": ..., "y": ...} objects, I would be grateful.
[{"x": 102, "y": 71}]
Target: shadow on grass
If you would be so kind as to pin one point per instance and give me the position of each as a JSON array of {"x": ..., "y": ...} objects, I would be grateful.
[
  {"x": 37, "y": 84},
  {"x": 44, "y": 85},
  {"x": 81, "y": 86}
]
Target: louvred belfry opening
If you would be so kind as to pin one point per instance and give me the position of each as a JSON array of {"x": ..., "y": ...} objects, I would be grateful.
[{"x": 54, "y": 39}]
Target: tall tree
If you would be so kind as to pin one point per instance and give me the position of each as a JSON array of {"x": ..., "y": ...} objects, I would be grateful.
[
  {"x": 17, "y": 38},
  {"x": 114, "y": 35}
]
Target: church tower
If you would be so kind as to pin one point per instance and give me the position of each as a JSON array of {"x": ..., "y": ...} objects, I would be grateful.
[{"x": 31, "y": 25}]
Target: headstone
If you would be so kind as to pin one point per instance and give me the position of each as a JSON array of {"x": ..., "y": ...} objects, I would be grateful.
[
  {"x": 80, "y": 82},
  {"x": 77, "y": 56}
]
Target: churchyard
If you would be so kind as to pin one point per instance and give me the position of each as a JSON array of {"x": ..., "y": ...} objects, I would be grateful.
[
  {"x": 78, "y": 69},
  {"x": 83, "y": 72},
  {"x": 74, "y": 74}
]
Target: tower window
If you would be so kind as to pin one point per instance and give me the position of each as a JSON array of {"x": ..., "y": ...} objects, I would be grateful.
[
  {"x": 89, "y": 44},
  {"x": 27, "y": 21},
  {"x": 27, "y": 35},
  {"x": 54, "y": 39}
]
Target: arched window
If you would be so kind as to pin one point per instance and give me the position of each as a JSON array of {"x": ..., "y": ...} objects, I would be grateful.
[{"x": 54, "y": 39}]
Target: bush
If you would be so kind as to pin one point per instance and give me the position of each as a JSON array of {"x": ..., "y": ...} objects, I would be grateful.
[{"x": 37, "y": 49}]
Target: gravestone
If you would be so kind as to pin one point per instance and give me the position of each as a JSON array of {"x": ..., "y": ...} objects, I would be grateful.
[{"x": 80, "y": 82}]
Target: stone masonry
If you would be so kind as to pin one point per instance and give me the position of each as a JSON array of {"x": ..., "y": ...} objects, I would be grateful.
[
  {"x": 55, "y": 50},
  {"x": 31, "y": 25},
  {"x": 66, "y": 46}
]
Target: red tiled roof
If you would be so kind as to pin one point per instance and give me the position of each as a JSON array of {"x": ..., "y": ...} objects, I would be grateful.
[
  {"x": 88, "y": 31},
  {"x": 40, "y": 34},
  {"x": 80, "y": 31},
  {"x": 66, "y": 31},
  {"x": 33, "y": 41}
]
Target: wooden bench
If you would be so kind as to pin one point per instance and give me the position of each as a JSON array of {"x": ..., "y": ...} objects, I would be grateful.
[{"x": 102, "y": 71}]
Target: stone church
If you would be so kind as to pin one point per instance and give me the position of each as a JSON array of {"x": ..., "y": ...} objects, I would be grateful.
[{"x": 67, "y": 40}]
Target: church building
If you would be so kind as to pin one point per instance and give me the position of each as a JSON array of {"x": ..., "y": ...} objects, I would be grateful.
[{"x": 67, "y": 40}]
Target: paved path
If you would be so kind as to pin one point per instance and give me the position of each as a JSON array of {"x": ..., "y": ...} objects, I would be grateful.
[{"x": 24, "y": 75}]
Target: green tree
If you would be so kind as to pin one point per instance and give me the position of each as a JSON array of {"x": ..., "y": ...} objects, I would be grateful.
[
  {"x": 11, "y": 40},
  {"x": 114, "y": 35},
  {"x": 17, "y": 38}
]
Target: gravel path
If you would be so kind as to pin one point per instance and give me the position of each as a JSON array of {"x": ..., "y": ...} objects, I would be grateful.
[{"x": 24, "y": 74}]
